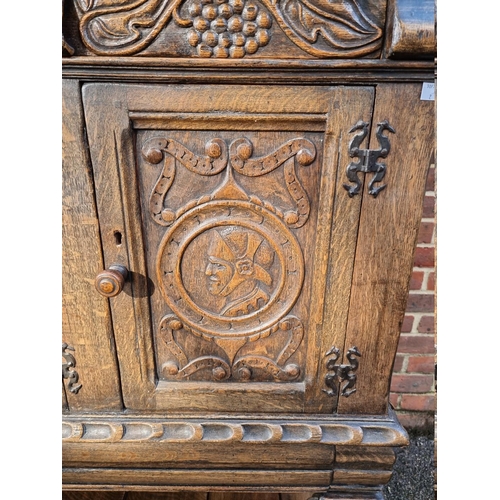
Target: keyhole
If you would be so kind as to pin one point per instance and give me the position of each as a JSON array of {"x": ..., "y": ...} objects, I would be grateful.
[{"x": 118, "y": 238}]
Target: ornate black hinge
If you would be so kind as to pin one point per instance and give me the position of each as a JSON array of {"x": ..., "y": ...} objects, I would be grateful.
[
  {"x": 368, "y": 158},
  {"x": 341, "y": 373},
  {"x": 68, "y": 371}
]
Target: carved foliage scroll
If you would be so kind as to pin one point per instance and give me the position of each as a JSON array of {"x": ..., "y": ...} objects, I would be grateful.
[
  {"x": 342, "y": 28},
  {"x": 235, "y": 28},
  {"x": 121, "y": 27},
  {"x": 228, "y": 266},
  {"x": 68, "y": 369}
]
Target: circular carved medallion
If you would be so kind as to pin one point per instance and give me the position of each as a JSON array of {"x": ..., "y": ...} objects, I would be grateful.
[{"x": 229, "y": 268}]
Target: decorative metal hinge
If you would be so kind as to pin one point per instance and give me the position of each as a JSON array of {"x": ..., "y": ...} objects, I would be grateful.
[
  {"x": 368, "y": 158},
  {"x": 68, "y": 370},
  {"x": 341, "y": 373}
]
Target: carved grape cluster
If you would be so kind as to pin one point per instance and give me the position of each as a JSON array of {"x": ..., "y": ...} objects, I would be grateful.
[{"x": 227, "y": 28}]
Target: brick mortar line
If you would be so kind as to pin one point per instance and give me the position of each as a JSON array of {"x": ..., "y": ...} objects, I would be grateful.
[
  {"x": 415, "y": 335},
  {"x": 407, "y": 358},
  {"x": 424, "y": 287},
  {"x": 431, "y": 393},
  {"x": 415, "y": 373},
  {"x": 412, "y": 373},
  {"x": 416, "y": 355},
  {"x": 418, "y": 314},
  {"x": 404, "y": 369},
  {"x": 404, "y": 364},
  {"x": 416, "y": 321},
  {"x": 432, "y": 244},
  {"x": 427, "y": 270},
  {"x": 425, "y": 281}
]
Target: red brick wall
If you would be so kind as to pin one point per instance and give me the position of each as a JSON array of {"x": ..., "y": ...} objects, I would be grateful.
[{"x": 413, "y": 386}]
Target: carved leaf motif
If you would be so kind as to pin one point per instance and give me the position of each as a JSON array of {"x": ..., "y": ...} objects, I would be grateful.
[
  {"x": 85, "y": 5},
  {"x": 124, "y": 27},
  {"x": 216, "y": 368},
  {"x": 323, "y": 28},
  {"x": 338, "y": 28}
]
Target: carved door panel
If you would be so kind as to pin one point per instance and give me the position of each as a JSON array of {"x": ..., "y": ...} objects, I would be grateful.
[{"x": 226, "y": 205}]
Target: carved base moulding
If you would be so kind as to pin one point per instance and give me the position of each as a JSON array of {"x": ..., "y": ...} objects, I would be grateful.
[
  {"x": 161, "y": 453},
  {"x": 332, "y": 430}
]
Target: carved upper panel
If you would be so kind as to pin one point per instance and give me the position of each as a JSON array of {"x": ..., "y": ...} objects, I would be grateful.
[{"x": 232, "y": 28}]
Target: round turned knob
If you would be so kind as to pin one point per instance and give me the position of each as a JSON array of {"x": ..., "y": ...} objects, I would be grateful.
[{"x": 109, "y": 283}]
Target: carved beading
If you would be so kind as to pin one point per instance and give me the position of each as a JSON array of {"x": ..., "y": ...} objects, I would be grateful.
[
  {"x": 300, "y": 150},
  {"x": 212, "y": 164}
]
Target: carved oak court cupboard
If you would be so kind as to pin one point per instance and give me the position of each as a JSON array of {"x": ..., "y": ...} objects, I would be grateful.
[{"x": 242, "y": 191}]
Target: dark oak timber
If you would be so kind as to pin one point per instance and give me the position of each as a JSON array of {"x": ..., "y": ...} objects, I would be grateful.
[
  {"x": 411, "y": 30},
  {"x": 242, "y": 190}
]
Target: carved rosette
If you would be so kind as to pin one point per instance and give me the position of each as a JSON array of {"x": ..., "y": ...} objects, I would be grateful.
[
  {"x": 229, "y": 267},
  {"x": 235, "y": 28}
]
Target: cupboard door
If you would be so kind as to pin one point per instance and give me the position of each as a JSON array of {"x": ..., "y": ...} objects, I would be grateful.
[
  {"x": 226, "y": 205},
  {"x": 87, "y": 328},
  {"x": 390, "y": 224}
]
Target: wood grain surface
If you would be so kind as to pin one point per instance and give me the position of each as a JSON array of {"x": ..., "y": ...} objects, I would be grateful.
[
  {"x": 386, "y": 241},
  {"x": 290, "y": 180},
  {"x": 86, "y": 319}
]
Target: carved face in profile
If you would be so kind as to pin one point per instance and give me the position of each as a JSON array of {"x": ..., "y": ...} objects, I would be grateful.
[
  {"x": 219, "y": 273},
  {"x": 238, "y": 263}
]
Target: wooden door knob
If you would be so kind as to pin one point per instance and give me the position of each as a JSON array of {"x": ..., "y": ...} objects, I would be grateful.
[{"x": 109, "y": 282}]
